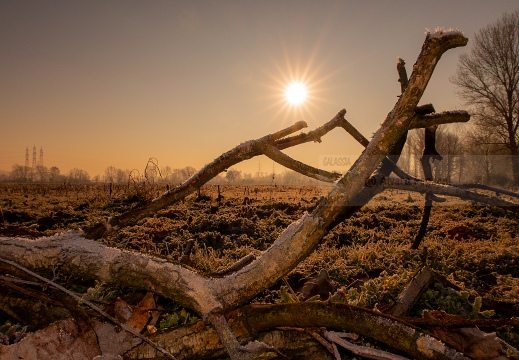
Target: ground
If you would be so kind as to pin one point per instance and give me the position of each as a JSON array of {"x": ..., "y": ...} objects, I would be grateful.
[{"x": 367, "y": 258}]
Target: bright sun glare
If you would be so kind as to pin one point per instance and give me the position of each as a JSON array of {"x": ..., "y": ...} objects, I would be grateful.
[{"x": 295, "y": 93}]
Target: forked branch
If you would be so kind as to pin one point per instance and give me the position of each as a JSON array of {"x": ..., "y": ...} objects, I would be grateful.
[{"x": 244, "y": 151}]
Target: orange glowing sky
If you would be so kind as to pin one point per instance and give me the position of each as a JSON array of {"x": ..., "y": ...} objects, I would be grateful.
[{"x": 101, "y": 83}]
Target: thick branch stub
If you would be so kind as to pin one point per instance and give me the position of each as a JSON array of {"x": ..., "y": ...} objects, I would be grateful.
[
  {"x": 445, "y": 117},
  {"x": 402, "y": 74}
]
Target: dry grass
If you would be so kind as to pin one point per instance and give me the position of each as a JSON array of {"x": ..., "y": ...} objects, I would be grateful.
[{"x": 368, "y": 256}]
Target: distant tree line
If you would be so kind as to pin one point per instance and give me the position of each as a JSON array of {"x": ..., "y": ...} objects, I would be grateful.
[
  {"x": 470, "y": 154},
  {"x": 152, "y": 175},
  {"x": 42, "y": 174}
]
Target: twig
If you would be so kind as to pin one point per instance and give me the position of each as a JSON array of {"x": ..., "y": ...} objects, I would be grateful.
[
  {"x": 327, "y": 345},
  {"x": 89, "y": 304},
  {"x": 495, "y": 189},
  {"x": 509, "y": 348},
  {"x": 361, "y": 350},
  {"x": 5, "y": 282},
  {"x": 426, "y": 214},
  {"x": 462, "y": 323},
  {"x": 233, "y": 347}
]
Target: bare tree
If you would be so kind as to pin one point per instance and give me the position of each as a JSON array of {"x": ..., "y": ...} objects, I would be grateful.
[
  {"x": 54, "y": 174},
  {"x": 42, "y": 172},
  {"x": 78, "y": 176},
  {"x": 110, "y": 173},
  {"x": 18, "y": 173},
  {"x": 232, "y": 175},
  {"x": 449, "y": 145},
  {"x": 488, "y": 80},
  {"x": 482, "y": 155}
]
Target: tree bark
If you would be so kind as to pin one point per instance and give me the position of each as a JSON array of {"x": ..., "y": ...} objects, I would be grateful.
[{"x": 253, "y": 321}]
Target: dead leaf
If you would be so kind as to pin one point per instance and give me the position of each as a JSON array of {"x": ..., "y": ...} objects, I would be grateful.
[
  {"x": 122, "y": 311},
  {"x": 144, "y": 314},
  {"x": 472, "y": 342},
  {"x": 59, "y": 341},
  {"x": 317, "y": 284}
]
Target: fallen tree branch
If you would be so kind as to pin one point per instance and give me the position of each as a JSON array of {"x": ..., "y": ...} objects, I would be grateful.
[
  {"x": 279, "y": 142},
  {"x": 449, "y": 190},
  {"x": 244, "y": 151},
  {"x": 257, "y": 321}
]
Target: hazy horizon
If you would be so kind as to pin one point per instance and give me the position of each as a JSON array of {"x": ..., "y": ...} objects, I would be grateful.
[{"x": 99, "y": 84}]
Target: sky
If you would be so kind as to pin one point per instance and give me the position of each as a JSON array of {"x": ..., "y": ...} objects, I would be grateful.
[{"x": 114, "y": 83}]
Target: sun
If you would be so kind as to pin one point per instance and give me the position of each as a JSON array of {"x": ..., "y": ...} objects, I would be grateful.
[{"x": 295, "y": 93}]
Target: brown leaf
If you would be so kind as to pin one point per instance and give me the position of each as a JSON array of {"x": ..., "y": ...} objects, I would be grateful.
[
  {"x": 122, "y": 310},
  {"x": 61, "y": 340},
  {"x": 143, "y": 314},
  {"x": 317, "y": 284},
  {"x": 472, "y": 342}
]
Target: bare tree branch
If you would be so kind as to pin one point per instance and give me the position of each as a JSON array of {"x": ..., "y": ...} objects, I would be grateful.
[
  {"x": 244, "y": 151},
  {"x": 446, "y": 117},
  {"x": 449, "y": 190},
  {"x": 273, "y": 153}
]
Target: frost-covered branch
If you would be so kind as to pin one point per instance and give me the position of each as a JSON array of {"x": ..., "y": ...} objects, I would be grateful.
[
  {"x": 242, "y": 152},
  {"x": 281, "y": 158},
  {"x": 449, "y": 190}
]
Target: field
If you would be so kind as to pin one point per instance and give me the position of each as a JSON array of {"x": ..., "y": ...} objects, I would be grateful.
[{"x": 367, "y": 258}]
